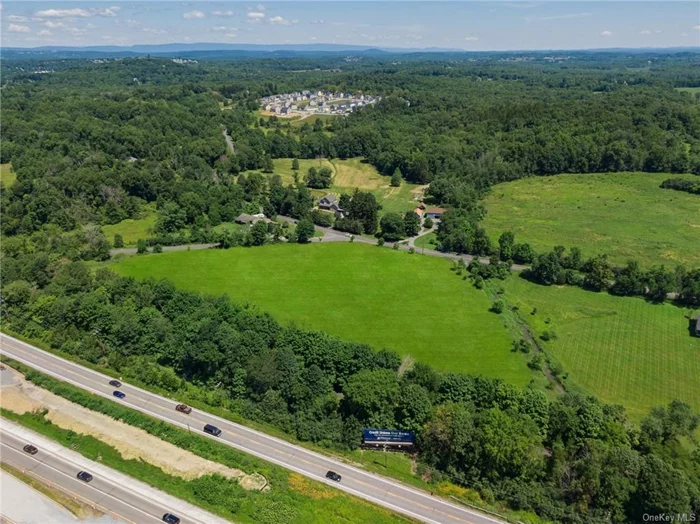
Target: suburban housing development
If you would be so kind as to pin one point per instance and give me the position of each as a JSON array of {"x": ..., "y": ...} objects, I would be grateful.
[{"x": 307, "y": 102}]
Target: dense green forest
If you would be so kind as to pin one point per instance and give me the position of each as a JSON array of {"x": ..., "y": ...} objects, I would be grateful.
[{"x": 93, "y": 143}]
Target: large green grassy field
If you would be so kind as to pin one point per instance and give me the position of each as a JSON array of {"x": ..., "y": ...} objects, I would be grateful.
[
  {"x": 389, "y": 299},
  {"x": 626, "y": 215},
  {"x": 624, "y": 350},
  {"x": 350, "y": 174}
]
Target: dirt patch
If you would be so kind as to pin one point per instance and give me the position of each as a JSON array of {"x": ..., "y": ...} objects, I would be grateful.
[{"x": 132, "y": 443}]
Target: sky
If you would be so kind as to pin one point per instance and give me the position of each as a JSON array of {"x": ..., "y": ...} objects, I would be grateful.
[{"x": 468, "y": 25}]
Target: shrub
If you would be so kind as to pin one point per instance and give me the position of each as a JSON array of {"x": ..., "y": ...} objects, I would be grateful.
[
  {"x": 498, "y": 306},
  {"x": 118, "y": 241},
  {"x": 157, "y": 248}
]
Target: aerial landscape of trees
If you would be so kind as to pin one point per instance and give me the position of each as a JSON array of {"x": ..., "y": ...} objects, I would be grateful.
[{"x": 92, "y": 148}]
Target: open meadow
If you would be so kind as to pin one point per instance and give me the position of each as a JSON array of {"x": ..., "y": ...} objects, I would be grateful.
[
  {"x": 626, "y": 215},
  {"x": 7, "y": 175},
  {"x": 132, "y": 229},
  {"x": 412, "y": 304},
  {"x": 350, "y": 174},
  {"x": 624, "y": 350}
]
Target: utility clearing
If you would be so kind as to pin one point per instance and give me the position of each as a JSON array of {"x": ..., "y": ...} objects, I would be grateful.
[{"x": 21, "y": 396}]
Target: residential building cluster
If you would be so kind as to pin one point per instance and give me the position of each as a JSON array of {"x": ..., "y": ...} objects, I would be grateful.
[{"x": 306, "y": 103}]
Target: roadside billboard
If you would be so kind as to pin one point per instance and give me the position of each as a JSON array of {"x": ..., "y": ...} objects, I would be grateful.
[{"x": 387, "y": 437}]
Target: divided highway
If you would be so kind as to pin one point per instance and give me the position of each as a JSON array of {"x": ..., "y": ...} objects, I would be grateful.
[
  {"x": 109, "y": 491},
  {"x": 382, "y": 491}
]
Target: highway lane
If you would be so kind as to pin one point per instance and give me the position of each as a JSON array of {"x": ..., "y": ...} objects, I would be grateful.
[
  {"x": 109, "y": 491},
  {"x": 383, "y": 491}
]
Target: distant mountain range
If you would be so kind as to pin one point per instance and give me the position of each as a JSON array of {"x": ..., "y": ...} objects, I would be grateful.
[{"x": 205, "y": 50}]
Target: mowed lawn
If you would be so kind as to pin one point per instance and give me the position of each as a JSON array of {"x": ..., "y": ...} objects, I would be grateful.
[
  {"x": 389, "y": 299},
  {"x": 624, "y": 350},
  {"x": 626, "y": 215}
]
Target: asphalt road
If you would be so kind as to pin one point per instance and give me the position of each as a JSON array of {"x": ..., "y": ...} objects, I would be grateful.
[
  {"x": 109, "y": 491},
  {"x": 385, "y": 492},
  {"x": 336, "y": 236}
]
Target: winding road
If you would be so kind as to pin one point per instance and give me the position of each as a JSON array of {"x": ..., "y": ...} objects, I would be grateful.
[{"x": 374, "y": 488}]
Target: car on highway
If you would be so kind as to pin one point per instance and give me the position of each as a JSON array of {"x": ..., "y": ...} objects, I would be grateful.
[
  {"x": 118, "y": 394},
  {"x": 171, "y": 519},
  {"x": 212, "y": 430},
  {"x": 84, "y": 476},
  {"x": 333, "y": 476},
  {"x": 184, "y": 408},
  {"x": 115, "y": 383},
  {"x": 30, "y": 449}
]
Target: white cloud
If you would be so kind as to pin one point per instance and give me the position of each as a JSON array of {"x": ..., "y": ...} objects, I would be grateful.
[
  {"x": 278, "y": 20},
  {"x": 53, "y": 25},
  {"x": 254, "y": 16},
  {"x": 606, "y": 34},
  {"x": 75, "y": 31},
  {"x": 44, "y": 32},
  {"x": 17, "y": 18},
  {"x": 556, "y": 17},
  {"x": 645, "y": 32},
  {"x": 106, "y": 11},
  {"x": 63, "y": 13},
  {"x": 154, "y": 31},
  {"x": 223, "y": 14},
  {"x": 317, "y": 22},
  {"x": 471, "y": 38},
  {"x": 230, "y": 35},
  {"x": 260, "y": 7},
  {"x": 14, "y": 28},
  {"x": 696, "y": 27},
  {"x": 314, "y": 38},
  {"x": 192, "y": 15},
  {"x": 128, "y": 23}
]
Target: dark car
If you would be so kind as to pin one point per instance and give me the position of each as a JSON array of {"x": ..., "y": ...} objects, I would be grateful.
[
  {"x": 85, "y": 476},
  {"x": 212, "y": 430},
  {"x": 30, "y": 449},
  {"x": 333, "y": 476},
  {"x": 118, "y": 394},
  {"x": 171, "y": 519},
  {"x": 115, "y": 383},
  {"x": 184, "y": 408}
]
